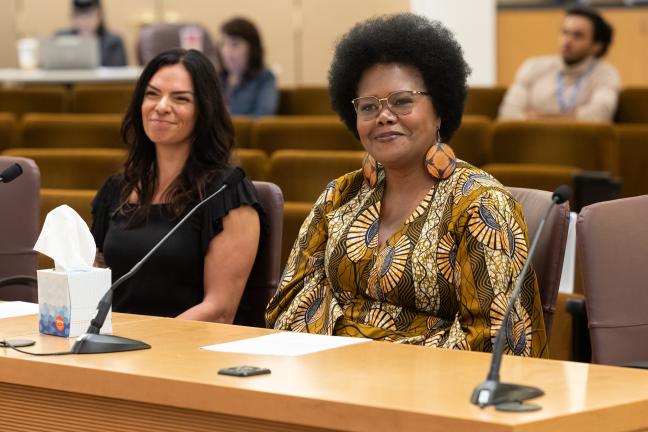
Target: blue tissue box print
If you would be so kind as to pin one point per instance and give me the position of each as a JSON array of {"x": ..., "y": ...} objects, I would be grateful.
[{"x": 54, "y": 320}]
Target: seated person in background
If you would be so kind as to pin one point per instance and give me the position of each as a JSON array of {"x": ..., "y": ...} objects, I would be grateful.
[
  {"x": 250, "y": 88},
  {"x": 180, "y": 138},
  {"x": 575, "y": 85},
  {"x": 416, "y": 247},
  {"x": 88, "y": 20}
]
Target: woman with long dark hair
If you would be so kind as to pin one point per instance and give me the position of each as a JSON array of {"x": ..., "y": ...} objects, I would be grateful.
[
  {"x": 250, "y": 88},
  {"x": 180, "y": 137}
]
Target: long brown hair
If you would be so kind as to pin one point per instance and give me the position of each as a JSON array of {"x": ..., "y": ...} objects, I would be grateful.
[
  {"x": 212, "y": 141},
  {"x": 246, "y": 30}
]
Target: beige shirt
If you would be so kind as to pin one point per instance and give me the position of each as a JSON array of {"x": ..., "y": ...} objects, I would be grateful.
[{"x": 589, "y": 89}]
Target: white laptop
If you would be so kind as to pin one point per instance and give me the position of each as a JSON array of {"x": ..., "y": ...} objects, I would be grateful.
[{"x": 70, "y": 52}]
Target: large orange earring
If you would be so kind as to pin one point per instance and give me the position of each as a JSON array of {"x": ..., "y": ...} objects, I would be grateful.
[
  {"x": 370, "y": 170},
  {"x": 440, "y": 160}
]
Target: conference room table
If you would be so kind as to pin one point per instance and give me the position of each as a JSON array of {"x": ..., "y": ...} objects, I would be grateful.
[
  {"x": 373, "y": 386},
  {"x": 101, "y": 75}
]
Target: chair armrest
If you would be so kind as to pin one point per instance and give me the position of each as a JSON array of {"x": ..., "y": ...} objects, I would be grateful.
[{"x": 581, "y": 344}]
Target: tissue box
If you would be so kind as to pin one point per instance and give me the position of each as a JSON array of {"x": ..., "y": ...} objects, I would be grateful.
[{"x": 68, "y": 300}]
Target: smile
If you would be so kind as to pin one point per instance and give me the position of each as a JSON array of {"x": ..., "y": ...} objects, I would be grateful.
[
  {"x": 387, "y": 136},
  {"x": 161, "y": 121}
]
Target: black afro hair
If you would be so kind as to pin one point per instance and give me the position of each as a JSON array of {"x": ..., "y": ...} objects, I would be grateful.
[{"x": 406, "y": 39}]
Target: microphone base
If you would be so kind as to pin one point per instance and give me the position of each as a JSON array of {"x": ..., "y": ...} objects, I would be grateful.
[
  {"x": 497, "y": 393},
  {"x": 89, "y": 343}
]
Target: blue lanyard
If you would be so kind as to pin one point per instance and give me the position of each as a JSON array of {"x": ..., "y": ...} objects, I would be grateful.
[{"x": 569, "y": 105}]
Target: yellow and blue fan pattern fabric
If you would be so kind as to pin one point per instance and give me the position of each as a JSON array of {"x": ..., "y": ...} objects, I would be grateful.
[{"x": 443, "y": 279}]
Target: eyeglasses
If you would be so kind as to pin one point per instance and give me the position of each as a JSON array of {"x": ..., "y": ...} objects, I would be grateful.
[{"x": 399, "y": 102}]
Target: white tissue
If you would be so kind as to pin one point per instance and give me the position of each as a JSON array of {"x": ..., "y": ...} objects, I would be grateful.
[{"x": 67, "y": 240}]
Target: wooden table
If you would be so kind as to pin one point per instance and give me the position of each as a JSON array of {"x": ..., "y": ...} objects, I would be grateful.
[
  {"x": 365, "y": 387},
  {"x": 124, "y": 74}
]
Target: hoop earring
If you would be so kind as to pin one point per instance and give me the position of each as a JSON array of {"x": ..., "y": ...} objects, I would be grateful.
[
  {"x": 440, "y": 160},
  {"x": 370, "y": 170}
]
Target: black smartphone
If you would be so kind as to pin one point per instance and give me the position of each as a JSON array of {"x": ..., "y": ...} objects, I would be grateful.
[{"x": 244, "y": 371}]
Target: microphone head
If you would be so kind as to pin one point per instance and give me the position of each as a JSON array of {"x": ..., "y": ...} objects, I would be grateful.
[
  {"x": 11, "y": 173},
  {"x": 234, "y": 177},
  {"x": 561, "y": 194}
]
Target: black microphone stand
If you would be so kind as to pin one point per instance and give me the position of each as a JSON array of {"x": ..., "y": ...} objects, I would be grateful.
[
  {"x": 507, "y": 396},
  {"x": 91, "y": 342}
]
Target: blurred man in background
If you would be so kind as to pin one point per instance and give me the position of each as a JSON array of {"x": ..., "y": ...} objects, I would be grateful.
[{"x": 575, "y": 85}]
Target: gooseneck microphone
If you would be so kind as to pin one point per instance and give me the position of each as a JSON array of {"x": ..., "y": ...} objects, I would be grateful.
[
  {"x": 505, "y": 396},
  {"x": 93, "y": 342},
  {"x": 10, "y": 173}
]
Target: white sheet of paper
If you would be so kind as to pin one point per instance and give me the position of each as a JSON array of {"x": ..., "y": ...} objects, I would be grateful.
[
  {"x": 17, "y": 308},
  {"x": 285, "y": 344}
]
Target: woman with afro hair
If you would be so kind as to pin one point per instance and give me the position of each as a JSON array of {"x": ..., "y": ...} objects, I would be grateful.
[{"x": 417, "y": 246}]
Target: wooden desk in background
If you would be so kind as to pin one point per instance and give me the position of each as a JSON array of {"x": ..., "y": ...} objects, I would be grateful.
[
  {"x": 366, "y": 387},
  {"x": 102, "y": 75}
]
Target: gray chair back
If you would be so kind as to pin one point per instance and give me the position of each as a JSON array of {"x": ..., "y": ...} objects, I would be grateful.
[
  {"x": 612, "y": 243},
  {"x": 19, "y": 227},
  {"x": 264, "y": 278},
  {"x": 550, "y": 252}
]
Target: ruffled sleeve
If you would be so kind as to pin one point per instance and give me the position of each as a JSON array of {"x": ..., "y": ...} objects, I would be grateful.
[
  {"x": 103, "y": 204},
  {"x": 211, "y": 218}
]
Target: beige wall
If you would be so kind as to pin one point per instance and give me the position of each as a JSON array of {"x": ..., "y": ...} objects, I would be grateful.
[
  {"x": 298, "y": 35},
  {"x": 7, "y": 35},
  {"x": 39, "y": 18},
  {"x": 326, "y": 21}
]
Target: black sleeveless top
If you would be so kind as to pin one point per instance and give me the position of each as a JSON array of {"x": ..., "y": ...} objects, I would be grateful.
[{"x": 171, "y": 281}]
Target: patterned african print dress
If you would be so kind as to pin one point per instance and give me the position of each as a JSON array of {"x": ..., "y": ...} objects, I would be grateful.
[{"x": 443, "y": 279}]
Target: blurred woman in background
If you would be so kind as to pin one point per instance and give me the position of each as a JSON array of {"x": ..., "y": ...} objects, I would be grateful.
[{"x": 250, "y": 88}]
